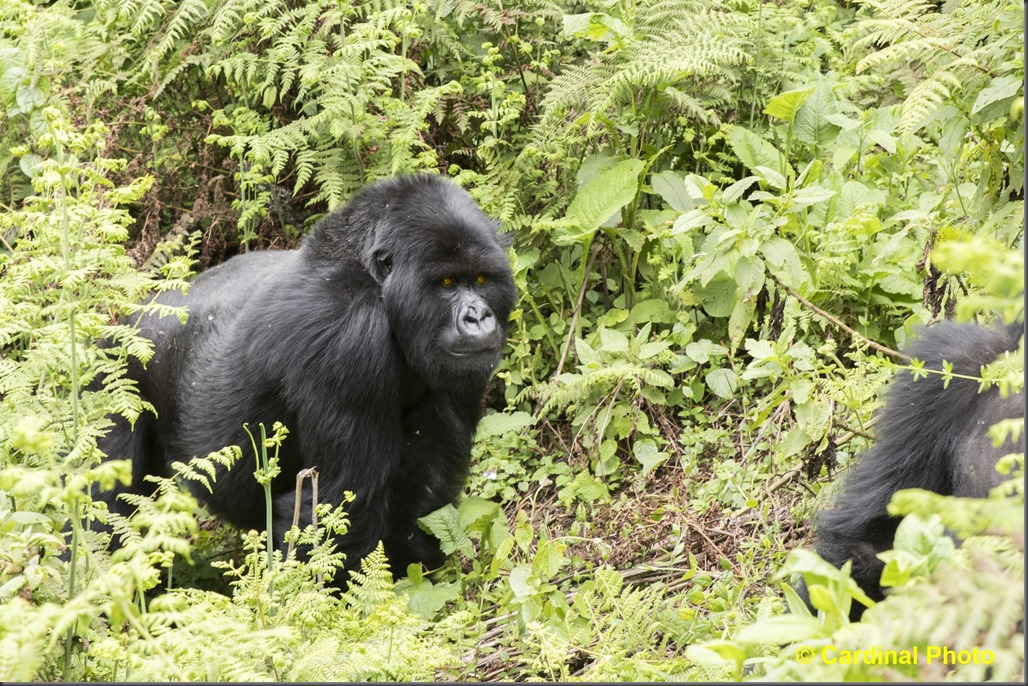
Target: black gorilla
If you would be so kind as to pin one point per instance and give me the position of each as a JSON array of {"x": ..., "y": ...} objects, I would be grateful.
[
  {"x": 373, "y": 342},
  {"x": 928, "y": 437}
]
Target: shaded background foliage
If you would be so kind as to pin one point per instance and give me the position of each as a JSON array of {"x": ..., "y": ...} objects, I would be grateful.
[{"x": 727, "y": 215}]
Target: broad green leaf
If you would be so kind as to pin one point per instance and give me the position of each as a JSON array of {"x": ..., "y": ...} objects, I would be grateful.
[
  {"x": 884, "y": 139},
  {"x": 715, "y": 653},
  {"x": 652, "y": 349},
  {"x": 811, "y": 195},
  {"x": 855, "y": 194},
  {"x": 549, "y": 559},
  {"x": 777, "y": 250},
  {"x": 759, "y": 350},
  {"x": 735, "y": 191},
  {"x": 1000, "y": 88},
  {"x": 654, "y": 310},
  {"x": 584, "y": 488},
  {"x": 671, "y": 186},
  {"x": 785, "y": 105},
  {"x": 722, "y": 382},
  {"x": 749, "y": 275},
  {"x": 646, "y": 452},
  {"x": 693, "y": 219},
  {"x": 522, "y": 581},
  {"x": 613, "y": 341},
  {"x": 473, "y": 510},
  {"x": 10, "y": 80},
  {"x": 701, "y": 350},
  {"x": 740, "y": 319},
  {"x": 30, "y": 96},
  {"x": 499, "y": 423},
  {"x": 795, "y": 441},
  {"x": 429, "y": 598},
  {"x": 772, "y": 177},
  {"x": 781, "y": 629},
  {"x": 608, "y": 463},
  {"x": 718, "y": 297},
  {"x": 812, "y": 124},
  {"x": 810, "y": 173},
  {"x": 586, "y": 355},
  {"x": 753, "y": 150},
  {"x": 603, "y": 196}
]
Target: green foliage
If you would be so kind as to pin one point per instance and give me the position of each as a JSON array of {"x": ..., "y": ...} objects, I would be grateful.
[{"x": 937, "y": 605}]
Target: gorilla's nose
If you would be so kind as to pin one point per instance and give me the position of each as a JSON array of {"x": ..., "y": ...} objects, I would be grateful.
[{"x": 476, "y": 321}]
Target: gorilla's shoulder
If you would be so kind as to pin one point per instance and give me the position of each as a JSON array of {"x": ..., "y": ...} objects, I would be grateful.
[{"x": 967, "y": 346}]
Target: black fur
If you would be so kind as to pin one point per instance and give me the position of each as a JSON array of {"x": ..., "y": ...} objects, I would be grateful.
[
  {"x": 928, "y": 437},
  {"x": 353, "y": 341}
]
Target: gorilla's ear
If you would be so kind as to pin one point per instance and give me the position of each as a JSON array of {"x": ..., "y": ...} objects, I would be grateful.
[
  {"x": 504, "y": 239},
  {"x": 381, "y": 265}
]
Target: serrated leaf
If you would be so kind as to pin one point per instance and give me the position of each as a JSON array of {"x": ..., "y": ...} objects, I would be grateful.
[
  {"x": 759, "y": 350},
  {"x": 998, "y": 89},
  {"x": 753, "y": 150},
  {"x": 613, "y": 341},
  {"x": 740, "y": 319},
  {"x": 429, "y": 598},
  {"x": 811, "y": 195},
  {"x": 785, "y": 105},
  {"x": 691, "y": 220},
  {"x": 646, "y": 452},
  {"x": 499, "y": 423},
  {"x": 717, "y": 297},
  {"x": 474, "y": 510},
  {"x": 722, "y": 382},
  {"x": 603, "y": 196},
  {"x": 701, "y": 350},
  {"x": 853, "y": 195},
  {"x": 735, "y": 191},
  {"x": 652, "y": 349},
  {"x": 671, "y": 187},
  {"x": 749, "y": 275},
  {"x": 777, "y": 250},
  {"x": 609, "y": 582},
  {"x": 520, "y": 581},
  {"x": 586, "y": 355},
  {"x": 772, "y": 177},
  {"x": 445, "y": 525},
  {"x": 812, "y": 124},
  {"x": 795, "y": 441},
  {"x": 884, "y": 139},
  {"x": 654, "y": 310},
  {"x": 550, "y": 558}
]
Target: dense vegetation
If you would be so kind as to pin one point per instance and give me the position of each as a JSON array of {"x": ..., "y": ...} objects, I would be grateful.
[{"x": 727, "y": 216}]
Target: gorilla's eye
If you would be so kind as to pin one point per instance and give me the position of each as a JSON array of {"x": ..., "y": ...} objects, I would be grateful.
[
  {"x": 480, "y": 279},
  {"x": 448, "y": 281}
]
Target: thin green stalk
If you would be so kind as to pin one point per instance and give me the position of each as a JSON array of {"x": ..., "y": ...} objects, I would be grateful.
[
  {"x": 76, "y": 523},
  {"x": 261, "y": 456}
]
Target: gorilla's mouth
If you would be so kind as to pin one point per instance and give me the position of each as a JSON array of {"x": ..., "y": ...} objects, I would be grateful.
[{"x": 472, "y": 352}]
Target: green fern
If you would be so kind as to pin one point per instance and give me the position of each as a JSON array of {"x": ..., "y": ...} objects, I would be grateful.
[{"x": 956, "y": 51}]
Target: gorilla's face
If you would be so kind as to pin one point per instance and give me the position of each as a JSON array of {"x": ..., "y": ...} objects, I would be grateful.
[{"x": 447, "y": 285}]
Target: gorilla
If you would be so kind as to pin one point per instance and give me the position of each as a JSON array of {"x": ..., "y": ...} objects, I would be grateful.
[
  {"x": 929, "y": 436},
  {"x": 373, "y": 343}
]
